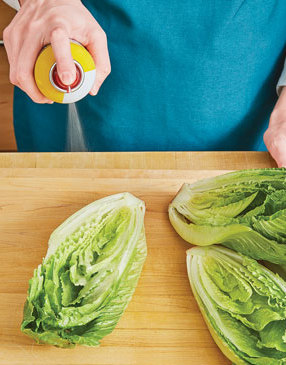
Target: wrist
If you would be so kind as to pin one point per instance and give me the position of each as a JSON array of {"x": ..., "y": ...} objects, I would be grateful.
[{"x": 281, "y": 102}]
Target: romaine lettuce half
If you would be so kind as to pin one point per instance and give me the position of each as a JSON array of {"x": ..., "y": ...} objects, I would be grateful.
[
  {"x": 243, "y": 210},
  {"x": 243, "y": 304},
  {"x": 89, "y": 274}
]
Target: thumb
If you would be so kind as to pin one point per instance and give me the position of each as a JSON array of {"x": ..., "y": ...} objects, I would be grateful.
[{"x": 61, "y": 47}]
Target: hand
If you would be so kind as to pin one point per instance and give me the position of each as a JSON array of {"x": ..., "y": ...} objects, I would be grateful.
[
  {"x": 275, "y": 135},
  {"x": 40, "y": 22}
]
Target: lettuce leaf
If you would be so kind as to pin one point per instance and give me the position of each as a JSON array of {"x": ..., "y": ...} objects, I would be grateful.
[
  {"x": 243, "y": 210},
  {"x": 243, "y": 304},
  {"x": 89, "y": 274}
]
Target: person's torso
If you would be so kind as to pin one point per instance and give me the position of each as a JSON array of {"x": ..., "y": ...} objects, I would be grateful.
[{"x": 186, "y": 75}]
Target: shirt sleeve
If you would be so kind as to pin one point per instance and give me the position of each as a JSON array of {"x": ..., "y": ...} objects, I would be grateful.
[
  {"x": 282, "y": 80},
  {"x": 13, "y": 3}
]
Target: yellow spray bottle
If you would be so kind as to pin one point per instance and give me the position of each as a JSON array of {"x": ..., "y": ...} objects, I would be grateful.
[{"x": 49, "y": 83}]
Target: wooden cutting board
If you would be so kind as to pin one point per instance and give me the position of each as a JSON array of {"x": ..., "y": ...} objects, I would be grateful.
[{"x": 161, "y": 326}]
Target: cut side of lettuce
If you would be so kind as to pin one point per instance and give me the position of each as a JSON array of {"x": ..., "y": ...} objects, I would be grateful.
[
  {"x": 243, "y": 304},
  {"x": 243, "y": 210},
  {"x": 91, "y": 269}
]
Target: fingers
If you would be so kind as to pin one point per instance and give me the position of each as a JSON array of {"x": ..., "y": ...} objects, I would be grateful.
[
  {"x": 24, "y": 73},
  {"x": 97, "y": 47},
  {"x": 21, "y": 58},
  {"x": 281, "y": 156},
  {"x": 275, "y": 142},
  {"x": 61, "y": 47},
  {"x": 12, "y": 43},
  {"x": 281, "y": 161},
  {"x": 7, "y": 38}
]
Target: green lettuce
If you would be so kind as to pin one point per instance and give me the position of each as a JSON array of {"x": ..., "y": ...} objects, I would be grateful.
[
  {"x": 243, "y": 210},
  {"x": 243, "y": 304},
  {"x": 89, "y": 274}
]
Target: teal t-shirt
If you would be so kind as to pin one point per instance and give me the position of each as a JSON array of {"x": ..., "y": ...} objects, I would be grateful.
[{"x": 186, "y": 75}]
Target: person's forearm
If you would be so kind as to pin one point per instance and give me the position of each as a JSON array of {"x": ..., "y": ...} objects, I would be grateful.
[
  {"x": 280, "y": 106},
  {"x": 282, "y": 80}
]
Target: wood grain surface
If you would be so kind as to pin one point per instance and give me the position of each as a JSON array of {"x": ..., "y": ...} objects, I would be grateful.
[
  {"x": 161, "y": 326},
  {"x": 141, "y": 160},
  {"x": 6, "y": 15},
  {"x": 7, "y": 139}
]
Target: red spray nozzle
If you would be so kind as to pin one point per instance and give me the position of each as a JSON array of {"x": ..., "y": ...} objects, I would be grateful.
[{"x": 67, "y": 88}]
